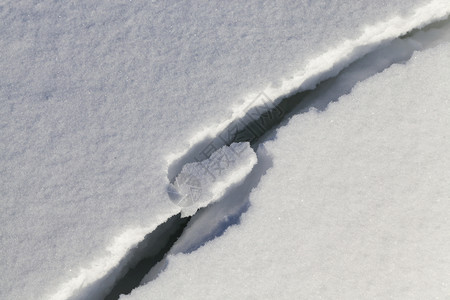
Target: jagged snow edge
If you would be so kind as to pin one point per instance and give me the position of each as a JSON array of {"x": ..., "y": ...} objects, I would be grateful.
[
  {"x": 102, "y": 266},
  {"x": 331, "y": 63}
]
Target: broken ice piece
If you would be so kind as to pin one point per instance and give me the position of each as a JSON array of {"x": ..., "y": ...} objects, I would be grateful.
[{"x": 201, "y": 183}]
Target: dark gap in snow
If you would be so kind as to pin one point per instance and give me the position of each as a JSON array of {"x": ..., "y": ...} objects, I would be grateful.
[
  {"x": 260, "y": 120},
  {"x": 212, "y": 221},
  {"x": 270, "y": 117},
  {"x": 257, "y": 126},
  {"x": 435, "y": 25},
  {"x": 255, "y": 123},
  {"x": 148, "y": 253}
]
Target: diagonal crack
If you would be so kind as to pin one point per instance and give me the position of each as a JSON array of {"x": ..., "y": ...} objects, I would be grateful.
[
  {"x": 149, "y": 252},
  {"x": 257, "y": 126}
]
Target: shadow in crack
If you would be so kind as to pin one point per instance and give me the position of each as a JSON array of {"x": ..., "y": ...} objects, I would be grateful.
[
  {"x": 260, "y": 124},
  {"x": 147, "y": 254},
  {"x": 261, "y": 116},
  {"x": 212, "y": 221},
  {"x": 257, "y": 126}
]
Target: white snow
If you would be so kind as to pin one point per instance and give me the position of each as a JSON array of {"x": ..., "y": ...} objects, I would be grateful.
[
  {"x": 100, "y": 97},
  {"x": 355, "y": 206}
]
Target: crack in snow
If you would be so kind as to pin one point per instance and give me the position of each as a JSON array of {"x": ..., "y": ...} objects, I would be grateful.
[
  {"x": 227, "y": 210},
  {"x": 324, "y": 80}
]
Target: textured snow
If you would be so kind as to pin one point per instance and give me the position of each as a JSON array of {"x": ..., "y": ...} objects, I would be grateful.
[
  {"x": 99, "y": 97},
  {"x": 356, "y": 205}
]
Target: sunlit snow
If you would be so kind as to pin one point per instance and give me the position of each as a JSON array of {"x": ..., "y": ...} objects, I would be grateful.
[{"x": 105, "y": 105}]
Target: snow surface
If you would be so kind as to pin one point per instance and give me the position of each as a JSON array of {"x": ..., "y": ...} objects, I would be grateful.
[
  {"x": 99, "y": 98},
  {"x": 355, "y": 206}
]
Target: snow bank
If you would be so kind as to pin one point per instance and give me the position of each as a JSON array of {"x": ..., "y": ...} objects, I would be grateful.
[
  {"x": 99, "y": 97},
  {"x": 355, "y": 206}
]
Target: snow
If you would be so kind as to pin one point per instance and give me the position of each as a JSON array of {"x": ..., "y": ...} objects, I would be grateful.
[
  {"x": 99, "y": 99},
  {"x": 355, "y": 206}
]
